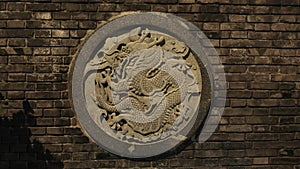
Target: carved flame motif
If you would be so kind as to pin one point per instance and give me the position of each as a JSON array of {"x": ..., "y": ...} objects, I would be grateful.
[{"x": 144, "y": 83}]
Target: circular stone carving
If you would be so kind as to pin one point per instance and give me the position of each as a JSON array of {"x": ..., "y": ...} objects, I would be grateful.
[{"x": 138, "y": 88}]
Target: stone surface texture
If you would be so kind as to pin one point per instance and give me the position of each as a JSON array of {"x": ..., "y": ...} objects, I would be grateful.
[
  {"x": 139, "y": 94},
  {"x": 257, "y": 41}
]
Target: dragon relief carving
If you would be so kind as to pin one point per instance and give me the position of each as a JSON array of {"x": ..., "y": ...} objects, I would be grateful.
[{"x": 143, "y": 81}]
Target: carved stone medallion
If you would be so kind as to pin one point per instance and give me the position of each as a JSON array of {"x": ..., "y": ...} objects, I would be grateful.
[
  {"x": 138, "y": 89},
  {"x": 147, "y": 85}
]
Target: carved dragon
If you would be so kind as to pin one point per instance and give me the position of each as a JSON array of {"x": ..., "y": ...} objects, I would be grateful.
[{"x": 136, "y": 115}]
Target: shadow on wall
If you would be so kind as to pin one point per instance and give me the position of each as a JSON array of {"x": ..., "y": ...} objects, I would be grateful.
[{"x": 16, "y": 149}]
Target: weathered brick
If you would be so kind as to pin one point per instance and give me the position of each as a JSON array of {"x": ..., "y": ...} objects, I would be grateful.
[
  {"x": 3, "y": 24},
  {"x": 15, "y": 24},
  {"x": 52, "y": 139},
  {"x": 284, "y": 160},
  {"x": 17, "y": 86},
  {"x": 211, "y": 17},
  {"x": 262, "y": 18},
  {"x": 80, "y": 16},
  {"x": 45, "y": 77},
  {"x": 262, "y": 27},
  {"x": 288, "y": 10},
  {"x": 70, "y": 6},
  {"x": 186, "y": 1},
  {"x": 261, "y": 136},
  {"x": 236, "y": 137},
  {"x": 73, "y": 131},
  {"x": 260, "y": 95},
  {"x": 261, "y": 128},
  {"x": 261, "y": 119},
  {"x": 69, "y": 24},
  {"x": 287, "y": 120},
  {"x": 264, "y": 2},
  {"x": 77, "y": 33},
  {"x": 61, "y": 15},
  {"x": 238, "y": 103},
  {"x": 238, "y": 34},
  {"x": 41, "y": 51},
  {"x": 237, "y": 85},
  {"x": 81, "y": 156},
  {"x": 236, "y": 128},
  {"x": 210, "y": 153},
  {"x": 15, "y": 15},
  {"x": 16, "y": 77},
  {"x": 15, "y": 95},
  {"x": 51, "y": 113},
  {"x": 80, "y": 139},
  {"x": 50, "y": 24},
  {"x": 264, "y": 35},
  {"x": 288, "y": 102},
  {"x": 285, "y": 78},
  {"x": 161, "y": 8},
  {"x": 42, "y": 33},
  {"x": 60, "y": 33},
  {"x": 87, "y": 24},
  {"x": 162, "y": 1},
  {"x": 55, "y": 131},
  {"x": 236, "y": 9},
  {"x": 18, "y": 68},
  {"x": 17, "y": 42},
  {"x": 45, "y": 122},
  {"x": 236, "y": 161},
  {"x": 237, "y": 18},
  {"x": 284, "y": 27},
  {"x": 263, "y": 85},
  {"x": 54, "y": 147},
  {"x": 261, "y": 152},
  {"x": 236, "y": 145},
  {"x": 236, "y": 43},
  {"x": 239, "y": 94},
  {"x": 15, "y": 6},
  {"x": 208, "y": 8},
  {"x": 235, "y": 153},
  {"x": 62, "y": 122},
  {"x": 243, "y": 77},
  {"x": 3, "y": 42},
  {"x": 141, "y": 7},
  {"x": 237, "y": 112},
  {"x": 16, "y": 33},
  {"x": 261, "y": 160},
  {"x": 43, "y": 7},
  {"x": 42, "y": 95},
  {"x": 60, "y": 86},
  {"x": 211, "y": 26},
  {"x": 37, "y": 130},
  {"x": 263, "y": 103},
  {"x": 44, "y": 104},
  {"x": 44, "y": 86},
  {"x": 285, "y": 128},
  {"x": 237, "y": 120},
  {"x": 59, "y": 51},
  {"x": 88, "y": 7},
  {"x": 38, "y": 42},
  {"x": 284, "y": 111},
  {"x": 42, "y": 15}
]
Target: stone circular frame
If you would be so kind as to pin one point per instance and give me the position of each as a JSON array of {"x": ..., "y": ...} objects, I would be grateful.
[{"x": 86, "y": 69}]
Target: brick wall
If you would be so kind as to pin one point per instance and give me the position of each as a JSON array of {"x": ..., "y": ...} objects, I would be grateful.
[{"x": 258, "y": 42}]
